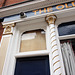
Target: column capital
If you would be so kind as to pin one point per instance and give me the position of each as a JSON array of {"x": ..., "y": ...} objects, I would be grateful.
[
  {"x": 50, "y": 19},
  {"x": 9, "y": 25},
  {"x": 8, "y": 29}
]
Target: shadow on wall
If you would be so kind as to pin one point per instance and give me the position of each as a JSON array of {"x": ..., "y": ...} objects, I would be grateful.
[{"x": 1, "y": 27}]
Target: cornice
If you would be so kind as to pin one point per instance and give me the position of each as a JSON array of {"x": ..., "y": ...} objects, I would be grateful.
[{"x": 29, "y": 6}]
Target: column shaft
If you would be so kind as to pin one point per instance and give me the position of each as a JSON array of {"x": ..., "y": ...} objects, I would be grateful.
[
  {"x": 55, "y": 58},
  {"x": 54, "y": 50}
]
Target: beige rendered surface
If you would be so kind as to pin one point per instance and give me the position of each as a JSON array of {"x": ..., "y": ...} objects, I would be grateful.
[
  {"x": 38, "y": 43},
  {"x": 3, "y": 50}
]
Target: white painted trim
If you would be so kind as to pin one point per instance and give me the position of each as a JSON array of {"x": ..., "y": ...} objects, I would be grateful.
[
  {"x": 19, "y": 42},
  {"x": 32, "y": 53},
  {"x": 67, "y": 37},
  {"x": 6, "y": 69},
  {"x": 7, "y": 56},
  {"x": 1, "y": 41},
  {"x": 49, "y": 48},
  {"x": 47, "y": 39}
]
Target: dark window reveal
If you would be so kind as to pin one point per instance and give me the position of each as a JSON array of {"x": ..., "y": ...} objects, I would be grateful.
[
  {"x": 32, "y": 66},
  {"x": 66, "y": 28}
]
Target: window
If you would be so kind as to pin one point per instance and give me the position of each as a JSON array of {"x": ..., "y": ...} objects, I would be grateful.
[
  {"x": 66, "y": 28},
  {"x": 32, "y": 66},
  {"x": 33, "y": 57},
  {"x": 67, "y": 39},
  {"x": 33, "y": 41}
]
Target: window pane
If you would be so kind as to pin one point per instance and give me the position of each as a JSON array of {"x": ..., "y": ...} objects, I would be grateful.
[
  {"x": 68, "y": 53},
  {"x": 33, "y": 40},
  {"x": 66, "y": 28},
  {"x": 32, "y": 66}
]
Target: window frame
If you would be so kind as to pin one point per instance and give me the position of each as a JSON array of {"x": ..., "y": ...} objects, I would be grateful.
[{"x": 19, "y": 54}]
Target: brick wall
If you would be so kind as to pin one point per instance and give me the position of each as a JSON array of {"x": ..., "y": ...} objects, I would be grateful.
[
  {"x": 1, "y": 3},
  {"x": 10, "y": 2}
]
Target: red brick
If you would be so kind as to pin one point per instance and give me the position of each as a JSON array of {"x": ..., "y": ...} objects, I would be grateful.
[
  {"x": 1, "y": 31},
  {"x": 10, "y": 2},
  {"x": 1, "y": 3}
]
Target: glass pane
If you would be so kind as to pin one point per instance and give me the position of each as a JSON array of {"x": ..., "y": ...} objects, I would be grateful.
[
  {"x": 33, "y": 40},
  {"x": 66, "y": 28},
  {"x": 32, "y": 66},
  {"x": 68, "y": 53}
]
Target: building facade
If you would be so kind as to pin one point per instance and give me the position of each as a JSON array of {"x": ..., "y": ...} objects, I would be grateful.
[{"x": 37, "y": 37}]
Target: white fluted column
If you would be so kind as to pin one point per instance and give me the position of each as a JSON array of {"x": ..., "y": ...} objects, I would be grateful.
[{"x": 56, "y": 65}]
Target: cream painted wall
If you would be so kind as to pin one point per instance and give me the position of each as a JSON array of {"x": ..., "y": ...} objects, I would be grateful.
[{"x": 3, "y": 50}]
